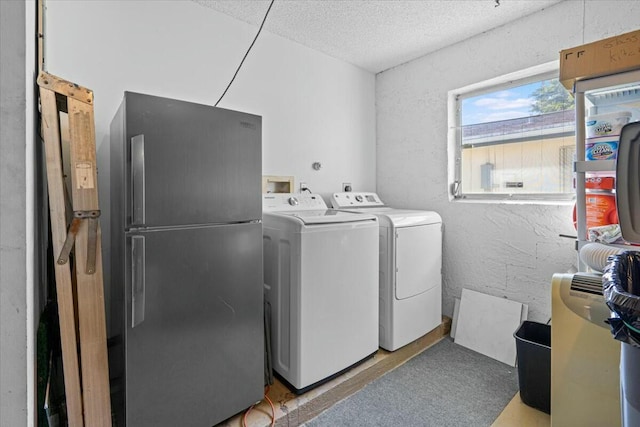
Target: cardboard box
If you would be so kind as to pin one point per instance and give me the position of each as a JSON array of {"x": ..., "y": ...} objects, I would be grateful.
[{"x": 607, "y": 56}]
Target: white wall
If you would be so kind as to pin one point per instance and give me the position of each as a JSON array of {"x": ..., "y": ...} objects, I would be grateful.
[
  {"x": 506, "y": 250},
  {"x": 18, "y": 322},
  {"x": 313, "y": 107},
  {"x": 316, "y": 108}
]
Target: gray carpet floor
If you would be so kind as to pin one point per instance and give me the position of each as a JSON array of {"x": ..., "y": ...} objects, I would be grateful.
[{"x": 445, "y": 385}]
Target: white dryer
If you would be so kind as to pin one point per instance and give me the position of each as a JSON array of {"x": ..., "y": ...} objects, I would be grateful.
[
  {"x": 410, "y": 267},
  {"x": 321, "y": 283}
]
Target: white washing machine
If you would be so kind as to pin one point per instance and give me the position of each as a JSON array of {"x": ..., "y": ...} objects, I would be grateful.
[
  {"x": 321, "y": 283},
  {"x": 410, "y": 267}
]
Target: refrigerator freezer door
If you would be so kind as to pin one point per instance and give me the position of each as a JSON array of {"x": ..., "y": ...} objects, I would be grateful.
[
  {"x": 190, "y": 163},
  {"x": 196, "y": 356}
]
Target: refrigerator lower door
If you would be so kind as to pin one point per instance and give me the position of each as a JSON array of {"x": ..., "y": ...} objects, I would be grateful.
[{"x": 194, "y": 343}]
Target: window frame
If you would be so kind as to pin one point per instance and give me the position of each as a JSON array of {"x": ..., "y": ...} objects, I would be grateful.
[{"x": 545, "y": 71}]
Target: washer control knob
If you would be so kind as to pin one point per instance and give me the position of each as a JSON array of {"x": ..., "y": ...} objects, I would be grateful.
[
  {"x": 359, "y": 198},
  {"x": 293, "y": 201}
]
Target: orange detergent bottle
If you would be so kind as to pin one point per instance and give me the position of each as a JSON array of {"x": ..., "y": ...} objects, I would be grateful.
[{"x": 600, "y": 202}]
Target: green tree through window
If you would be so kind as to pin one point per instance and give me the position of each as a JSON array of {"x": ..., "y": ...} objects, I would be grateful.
[{"x": 551, "y": 97}]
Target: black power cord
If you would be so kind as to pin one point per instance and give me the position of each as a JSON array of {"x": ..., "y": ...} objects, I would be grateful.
[{"x": 245, "y": 55}]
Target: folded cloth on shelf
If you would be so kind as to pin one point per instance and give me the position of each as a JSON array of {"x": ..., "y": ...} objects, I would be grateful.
[{"x": 605, "y": 234}]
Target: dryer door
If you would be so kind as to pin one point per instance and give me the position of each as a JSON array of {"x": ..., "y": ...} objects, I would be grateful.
[{"x": 418, "y": 259}]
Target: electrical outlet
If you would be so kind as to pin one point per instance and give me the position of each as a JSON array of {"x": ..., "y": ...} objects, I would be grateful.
[
  {"x": 346, "y": 186},
  {"x": 303, "y": 187}
]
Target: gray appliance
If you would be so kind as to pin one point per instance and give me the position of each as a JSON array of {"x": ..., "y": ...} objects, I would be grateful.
[
  {"x": 628, "y": 204},
  {"x": 186, "y": 338}
]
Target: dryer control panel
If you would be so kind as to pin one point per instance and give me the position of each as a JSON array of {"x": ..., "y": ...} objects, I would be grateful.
[
  {"x": 279, "y": 202},
  {"x": 356, "y": 200}
]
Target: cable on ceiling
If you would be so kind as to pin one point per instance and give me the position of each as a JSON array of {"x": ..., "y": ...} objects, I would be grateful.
[{"x": 245, "y": 55}]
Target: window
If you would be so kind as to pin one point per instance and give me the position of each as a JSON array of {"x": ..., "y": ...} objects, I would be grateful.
[{"x": 514, "y": 138}]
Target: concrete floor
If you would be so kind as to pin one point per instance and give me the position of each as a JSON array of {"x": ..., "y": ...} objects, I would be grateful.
[{"x": 517, "y": 414}]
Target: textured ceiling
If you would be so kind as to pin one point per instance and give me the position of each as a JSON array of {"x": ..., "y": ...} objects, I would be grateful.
[{"x": 378, "y": 35}]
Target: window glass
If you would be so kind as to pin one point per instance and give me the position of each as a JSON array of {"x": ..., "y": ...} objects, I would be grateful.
[{"x": 516, "y": 140}]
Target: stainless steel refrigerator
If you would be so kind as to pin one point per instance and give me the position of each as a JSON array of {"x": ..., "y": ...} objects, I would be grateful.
[{"x": 186, "y": 337}]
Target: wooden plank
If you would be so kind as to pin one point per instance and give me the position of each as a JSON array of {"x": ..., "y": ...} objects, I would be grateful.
[
  {"x": 66, "y": 88},
  {"x": 84, "y": 177},
  {"x": 93, "y": 335},
  {"x": 90, "y": 290},
  {"x": 64, "y": 290},
  {"x": 94, "y": 397}
]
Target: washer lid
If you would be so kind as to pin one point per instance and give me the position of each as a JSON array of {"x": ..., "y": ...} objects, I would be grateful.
[
  {"x": 391, "y": 217},
  {"x": 407, "y": 217},
  {"x": 328, "y": 216}
]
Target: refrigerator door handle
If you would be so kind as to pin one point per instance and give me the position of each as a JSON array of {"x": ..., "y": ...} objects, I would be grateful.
[
  {"x": 137, "y": 180},
  {"x": 137, "y": 280}
]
